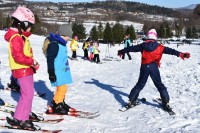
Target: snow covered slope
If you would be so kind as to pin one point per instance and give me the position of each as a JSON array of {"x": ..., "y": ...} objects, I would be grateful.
[{"x": 105, "y": 87}]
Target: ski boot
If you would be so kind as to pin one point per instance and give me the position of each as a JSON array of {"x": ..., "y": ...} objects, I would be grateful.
[
  {"x": 132, "y": 104},
  {"x": 67, "y": 107},
  {"x": 58, "y": 108},
  {"x": 32, "y": 117},
  {"x": 166, "y": 106},
  {"x": 21, "y": 124}
]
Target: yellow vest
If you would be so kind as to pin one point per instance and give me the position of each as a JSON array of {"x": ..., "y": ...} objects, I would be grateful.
[
  {"x": 27, "y": 52},
  {"x": 86, "y": 45},
  {"x": 74, "y": 44}
]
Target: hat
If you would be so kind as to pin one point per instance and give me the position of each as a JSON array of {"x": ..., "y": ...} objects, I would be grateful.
[
  {"x": 65, "y": 30},
  {"x": 152, "y": 34}
]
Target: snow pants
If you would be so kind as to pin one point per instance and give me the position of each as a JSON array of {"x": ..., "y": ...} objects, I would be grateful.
[
  {"x": 24, "y": 105},
  {"x": 73, "y": 54},
  {"x": 129, "y": 56},
  {"x": 96, "y": 58},
  {"x": 153, "y": 71},
  {"x": 86, "y": 53},
  {"x": 60, "y": 94}
]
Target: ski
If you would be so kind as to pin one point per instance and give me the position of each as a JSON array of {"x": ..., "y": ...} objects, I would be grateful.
[
  {"x": 50, "y": 121},
  {"x": 37, "y": 119},
  {"x": 38, "y": 129},
  {"x": 74, "y": 113},
  {"x": 128, "y": 106},
  {"x": 38, "y": 94},
  {"x": 165, "y": 108}
]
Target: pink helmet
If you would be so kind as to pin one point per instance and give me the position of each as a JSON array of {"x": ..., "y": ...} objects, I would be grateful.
[{"x": 23, "y": 14}]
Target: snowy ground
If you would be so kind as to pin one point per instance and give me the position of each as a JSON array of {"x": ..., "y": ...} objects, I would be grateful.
[{"x": 105, "y": 87}]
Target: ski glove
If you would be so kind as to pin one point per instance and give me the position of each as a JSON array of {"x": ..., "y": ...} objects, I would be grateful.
[
  {"x": 52, "y": 76},
  {"x": 184, "y": 55},
  {"x": 120, "y": 53}
]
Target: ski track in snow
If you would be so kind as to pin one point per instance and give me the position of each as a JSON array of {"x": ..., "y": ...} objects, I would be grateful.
[{"x": 105, "y": 88}]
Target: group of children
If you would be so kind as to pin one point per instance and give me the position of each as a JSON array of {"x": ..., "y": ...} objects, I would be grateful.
[
  {"x": 23, "y": 65},
  {"x": 93, "y": 48}
]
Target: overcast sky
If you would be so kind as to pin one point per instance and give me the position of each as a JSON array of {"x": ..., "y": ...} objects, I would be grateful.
[{"x": 165, "y": 3}]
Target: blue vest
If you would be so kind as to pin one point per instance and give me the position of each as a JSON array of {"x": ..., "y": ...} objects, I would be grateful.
[{"x": 62, "y": 69}]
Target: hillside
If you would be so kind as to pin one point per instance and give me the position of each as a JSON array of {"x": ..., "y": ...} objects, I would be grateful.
[{"x": 105, "y": 10}]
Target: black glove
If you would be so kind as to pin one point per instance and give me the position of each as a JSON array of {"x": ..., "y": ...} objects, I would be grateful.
[
  {"x": 120, "y": 52},
  {"x": 52, "y": 76}
]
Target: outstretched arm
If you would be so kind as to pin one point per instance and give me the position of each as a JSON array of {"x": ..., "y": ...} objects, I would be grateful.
[
  {"x": 171, "y": 51},
  {"x": 135, "y": 48}
]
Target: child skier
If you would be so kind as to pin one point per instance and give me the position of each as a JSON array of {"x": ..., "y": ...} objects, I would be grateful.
[
  {"x": 74, "y": 45},
  {"x": 127, "y": 43},
  {"x": 91, "y": 50},
  {"x": 151, "y": 55},
  {"x": 55, "y": 51},
  {"x": 85, "y": 47},
  {"x": 22, "y": 64},
  {"x": 96, "y": 52}
]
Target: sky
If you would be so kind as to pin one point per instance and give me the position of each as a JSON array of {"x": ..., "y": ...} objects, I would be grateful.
[{"x": 165, "y": 3}]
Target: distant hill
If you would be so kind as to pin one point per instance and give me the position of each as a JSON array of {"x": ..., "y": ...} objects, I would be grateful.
[
  {"x": 186, "y": 10},
  {"x": 191, "y": 7}
]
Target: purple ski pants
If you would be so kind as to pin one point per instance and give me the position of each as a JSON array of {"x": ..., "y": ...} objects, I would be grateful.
[{"x": 24, "y": 105}]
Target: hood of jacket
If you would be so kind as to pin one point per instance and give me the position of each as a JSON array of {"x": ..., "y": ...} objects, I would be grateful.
[
  {"x": 150, "y": 45},
  {"x": 13, "y": 31},
  {"x": 57, "y": 38}
]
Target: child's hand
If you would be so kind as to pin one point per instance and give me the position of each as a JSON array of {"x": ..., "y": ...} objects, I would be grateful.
[
  {"x": 35, "y": 65},
  {"x": 184, "y": 55}
]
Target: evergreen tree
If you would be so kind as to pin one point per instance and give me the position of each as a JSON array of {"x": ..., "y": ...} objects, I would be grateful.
[
  {"x": 197, "y": 10},
  {"x": 161, "y": 31},
  {"x": 168, "y": 31},
  {"x": 194, "y": 32},
  {"x": 36, "y": 29},
  {"x": 132, "y": 33},
  {"x": 79, "y": 30},
  {"x": 94, "y": 33},
  {"x": 8, "y": 21},
  {"x": 108, "y": 35},
  {"x": 189, "y": 33},
  {"x": 100, "y": 30},
  {"x": 118, "y": 33},
  {"x": 164, "y": 31}
]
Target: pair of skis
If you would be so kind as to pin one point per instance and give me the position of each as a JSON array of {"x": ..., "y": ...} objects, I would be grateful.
[
  {"x": 72, "y": 112},
  {"x": 139, "y": 101}
]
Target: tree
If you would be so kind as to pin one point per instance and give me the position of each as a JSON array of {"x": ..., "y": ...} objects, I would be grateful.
[
  {"x": 132, "y": 32},
  {"x": 191, "y": 32},
  {"x": 37, "y": 26},
  {"x": 108, "y": 35},
  {"x": 8, "y": 21},
  {"x": 94, "y": 33},
  {"x": 100, "y": 30},
  {"x": 79, "y": 30},
  {"x": 118, "y": 33},
  {"x": 197, "y": 10}
]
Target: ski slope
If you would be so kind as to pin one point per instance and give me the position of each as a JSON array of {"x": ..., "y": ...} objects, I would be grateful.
[{"x": 105, "y": 87}]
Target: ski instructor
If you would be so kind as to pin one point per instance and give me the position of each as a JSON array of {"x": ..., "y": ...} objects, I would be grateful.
[{"x": 151, "y": 55}]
